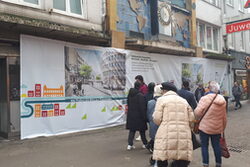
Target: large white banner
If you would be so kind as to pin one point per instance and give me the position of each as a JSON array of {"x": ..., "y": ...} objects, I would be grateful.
[{"x": 68, "y": 88}]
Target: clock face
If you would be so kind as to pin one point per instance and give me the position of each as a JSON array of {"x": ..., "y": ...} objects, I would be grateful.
[{"x": 164, "y": 14}]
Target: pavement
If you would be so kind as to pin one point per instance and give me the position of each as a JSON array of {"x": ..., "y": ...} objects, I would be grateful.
[{"x": 107, "y": 148}]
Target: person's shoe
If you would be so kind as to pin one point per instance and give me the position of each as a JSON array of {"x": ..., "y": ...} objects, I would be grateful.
[
  {"x": 148, "y": 146},
  {"x": 144, "y": 146},
  {"x": 138, "y": 138},
  {"x": 130, "y": 147}
]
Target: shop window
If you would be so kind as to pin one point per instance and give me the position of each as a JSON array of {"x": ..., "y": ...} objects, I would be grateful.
[{"x": 70, "y": 7}]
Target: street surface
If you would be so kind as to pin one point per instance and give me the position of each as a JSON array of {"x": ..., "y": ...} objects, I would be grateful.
[{"x": 107, "y": 148}]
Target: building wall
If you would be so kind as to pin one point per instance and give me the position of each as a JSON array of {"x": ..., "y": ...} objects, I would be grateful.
[
  {"x": 92, "y": 20},
  {"x": 232, "y": 13},
  {"x": 233, "y": 10},
  {"x": 208, "y": 13}
]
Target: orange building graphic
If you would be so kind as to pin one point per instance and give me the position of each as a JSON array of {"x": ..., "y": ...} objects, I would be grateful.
[
  {"x": 38, "y": 110},
  {"x": 53, "y": 92},
  {"x": 50, "y": 113}
]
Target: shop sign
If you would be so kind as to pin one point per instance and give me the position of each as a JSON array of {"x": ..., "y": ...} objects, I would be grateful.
[
  {"x": 241, "y": 73},
  {"x": 237, "y": 27}
]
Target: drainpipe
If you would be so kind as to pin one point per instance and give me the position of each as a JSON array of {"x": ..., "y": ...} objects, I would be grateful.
[{"x": 104, "y": 17}]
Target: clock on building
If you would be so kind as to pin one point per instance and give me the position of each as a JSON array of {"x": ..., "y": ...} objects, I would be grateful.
[{"x": 164, "y": 14}]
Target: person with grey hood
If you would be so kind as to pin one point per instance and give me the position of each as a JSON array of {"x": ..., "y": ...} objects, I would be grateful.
[{"x": 152, "y": 126}]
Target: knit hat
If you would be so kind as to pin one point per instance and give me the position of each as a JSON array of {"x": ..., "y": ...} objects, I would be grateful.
[
  {"x": 157, "y": 90},
  {"x": 168, "y": 86}
]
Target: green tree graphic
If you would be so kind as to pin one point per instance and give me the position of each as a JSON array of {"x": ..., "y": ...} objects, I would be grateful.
[{"x": 85, "y": 71}]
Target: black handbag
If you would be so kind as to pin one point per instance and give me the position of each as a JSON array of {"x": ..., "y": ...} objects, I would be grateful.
[{"x": 196, "y": 142}]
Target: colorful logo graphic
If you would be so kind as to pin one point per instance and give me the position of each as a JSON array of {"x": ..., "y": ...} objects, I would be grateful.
[
  {"x": 45, "y": 92},
  {"x": 48, "y": 110}
]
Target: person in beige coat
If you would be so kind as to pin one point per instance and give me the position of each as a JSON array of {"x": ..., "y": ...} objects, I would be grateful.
[{"x": 173, "y": 138}]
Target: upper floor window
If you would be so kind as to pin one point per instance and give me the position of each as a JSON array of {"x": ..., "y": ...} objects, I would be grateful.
[
  {"x": 72, "y": 7},
  {"x": 32, "y": 3},
  {"x": 230, "y": 2},
  {"x": 242, "y": 41},
  {"x": 208, "y": 36},
  {"x": 241, "y": 5},
  {"x": 230, "y": 40},
  {"x": 215, "y": 2}
]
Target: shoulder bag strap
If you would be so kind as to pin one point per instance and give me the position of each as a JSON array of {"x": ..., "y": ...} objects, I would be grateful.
[{"x": 208, "y": 108}]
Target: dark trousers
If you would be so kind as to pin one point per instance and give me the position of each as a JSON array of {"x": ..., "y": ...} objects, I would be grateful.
[
  {"x": 162, "y": 163},
  {"x": 176, "y": 163},
  {"x": 215, "y": 139},
  {"x": 131, "y": 137},
  {"x": 237, "y": 101},
  {"x": 180, "y": 163}
]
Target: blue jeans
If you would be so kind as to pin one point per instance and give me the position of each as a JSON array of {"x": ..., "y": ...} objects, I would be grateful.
[{"x": 215, "y": 140}]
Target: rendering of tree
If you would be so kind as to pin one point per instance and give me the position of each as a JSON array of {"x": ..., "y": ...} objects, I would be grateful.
[{"x": 85, "y": 71}]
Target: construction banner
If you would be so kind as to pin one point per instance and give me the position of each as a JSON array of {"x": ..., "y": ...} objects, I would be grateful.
[{"x": 70, "y": 88}]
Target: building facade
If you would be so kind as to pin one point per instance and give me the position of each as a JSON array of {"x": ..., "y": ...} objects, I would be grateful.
[
  {"x": 237, "y": 43},
  {"x": 78, "y": 21},
  {"x": 60, "y": 30}
]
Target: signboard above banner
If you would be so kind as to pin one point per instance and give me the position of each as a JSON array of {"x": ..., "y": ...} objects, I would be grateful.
[
  {"x": 237, "y": 27},
  {"x": 241, "y": 73}
]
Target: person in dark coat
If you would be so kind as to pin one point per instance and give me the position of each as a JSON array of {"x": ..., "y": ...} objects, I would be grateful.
[
  {"x": 199, "y": 92},
  {"x": 150, "y": 95},
  {"x": 237, "y": 93},
  {"x": 136, "y": 116},
  {"x": 185, "y": 93}
]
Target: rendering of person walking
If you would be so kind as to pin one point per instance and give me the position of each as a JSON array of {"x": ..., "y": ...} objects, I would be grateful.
[
  {"x": 173, "y": 138},
  {"x": 213, "y": 123},
  {"x": 136, "y": 116},
  {"x": 236, "y": 90}
]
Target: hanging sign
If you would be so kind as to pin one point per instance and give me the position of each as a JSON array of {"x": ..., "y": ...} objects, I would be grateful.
[{"x": 237, "y": 27}]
